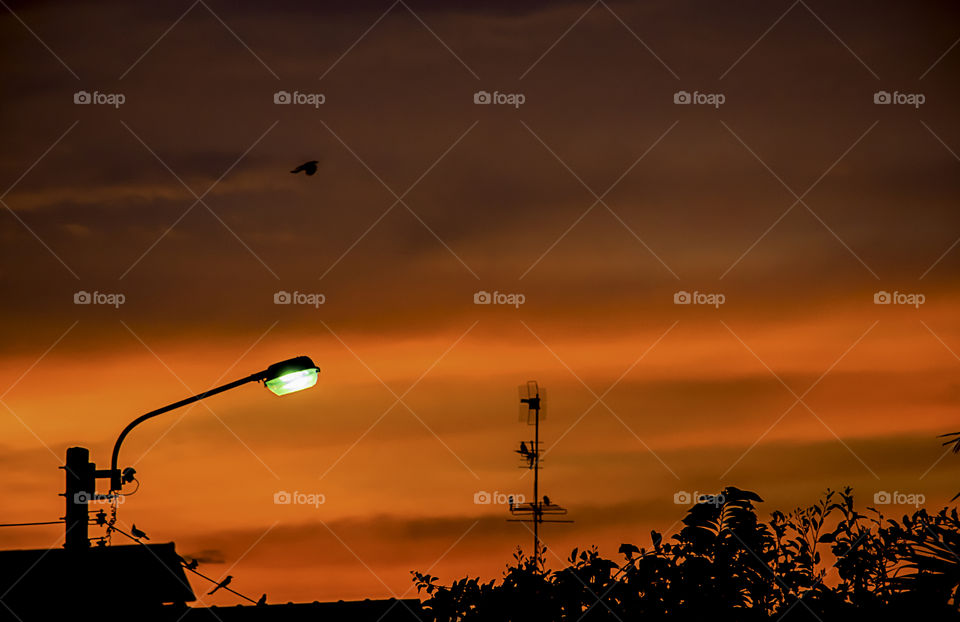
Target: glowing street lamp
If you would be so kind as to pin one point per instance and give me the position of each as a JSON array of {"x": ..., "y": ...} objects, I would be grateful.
[
  {"x": 291, "y": 376},
  {"x": 281, "y": 378}
]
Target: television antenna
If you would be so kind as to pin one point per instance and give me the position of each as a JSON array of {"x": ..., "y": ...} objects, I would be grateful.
[{"x": 533, "y": 403}]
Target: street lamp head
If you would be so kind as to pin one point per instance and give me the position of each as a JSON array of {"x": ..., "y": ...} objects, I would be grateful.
[{"x": 291, "y": 375}]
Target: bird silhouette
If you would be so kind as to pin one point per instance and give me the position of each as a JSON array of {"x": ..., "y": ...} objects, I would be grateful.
[
  {"x": 263, "y": 600},
  {"x": 226, "y": 581},
  {"x": 138, "y": 533},
  {"x": 523, "y": 448},
  {"x": 309, "y": 168},
  {"x": 546, "y": 500},
  {"x": 510, "y": 501},
  {"x": 192, "y": 565}
]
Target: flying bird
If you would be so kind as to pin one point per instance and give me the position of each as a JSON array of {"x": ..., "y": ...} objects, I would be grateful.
[
  {"x": 309, "y": 168},
  {"x": 223, "y": 583},
  {"x": 263, "y": 600},
  {"x": 137, "y": 533}
]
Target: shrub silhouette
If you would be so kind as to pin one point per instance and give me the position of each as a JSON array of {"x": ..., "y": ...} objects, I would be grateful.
[{"x": 727, "y": 564}]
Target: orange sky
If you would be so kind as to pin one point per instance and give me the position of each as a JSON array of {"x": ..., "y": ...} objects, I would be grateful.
[{"x": 797, "y": 383}]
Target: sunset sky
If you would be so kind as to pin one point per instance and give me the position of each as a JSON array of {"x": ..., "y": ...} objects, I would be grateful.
[{"x": 598, "y": 199}]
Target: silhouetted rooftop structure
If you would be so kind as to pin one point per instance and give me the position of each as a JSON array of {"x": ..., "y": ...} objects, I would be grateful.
[
  {"x": 146, "y": 582},
  {"x": 37, "y": 584},
  {"x": 389, "y": 610}
]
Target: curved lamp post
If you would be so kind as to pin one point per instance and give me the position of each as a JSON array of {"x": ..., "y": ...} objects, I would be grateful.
[{"x": 281, "y": 378}]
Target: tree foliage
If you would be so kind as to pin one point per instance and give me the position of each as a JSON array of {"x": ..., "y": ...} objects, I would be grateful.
[{"x": 823, "y": 562}]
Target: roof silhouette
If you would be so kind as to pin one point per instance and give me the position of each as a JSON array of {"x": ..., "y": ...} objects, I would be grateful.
[
  {"x": 388, "y": 610},
  {"x": 146, "y": 582},
  {"x": 38, "y": 583}
]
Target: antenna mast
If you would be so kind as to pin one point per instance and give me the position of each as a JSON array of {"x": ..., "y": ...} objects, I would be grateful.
[{"x": 532, "y": 408}]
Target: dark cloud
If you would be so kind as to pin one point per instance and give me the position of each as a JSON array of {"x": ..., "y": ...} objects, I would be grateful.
[{"x": 206, "y": 556}]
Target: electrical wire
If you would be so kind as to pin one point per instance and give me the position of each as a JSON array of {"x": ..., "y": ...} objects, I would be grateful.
[
  {"x": 196, "y": 572},
  {"x": 215, "y": 582},
  {"x": 122, "y": 532},
  {"x": 113, "y": 527},
  {"x": 50, "y": 522},
  {"x": 134, "y": 491}
]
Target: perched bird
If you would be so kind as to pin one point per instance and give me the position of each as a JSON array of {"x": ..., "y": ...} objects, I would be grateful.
[
  {"x": 263, "y": 600},
  {"x": 137, "y": 533},
  {"x": 192, "y": 565},
  {"x": 309, "y": 168},
  {"x": 510, "y": 501},
  {"x": 129, "y": 474},
  {"x": 226, "y": 581},
  {"x": 546, "y": 500},
  {"x": 523, "y": 448}
]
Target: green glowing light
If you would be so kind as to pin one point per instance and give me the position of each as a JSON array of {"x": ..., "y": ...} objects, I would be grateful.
[{"x": 291, "y": 376}]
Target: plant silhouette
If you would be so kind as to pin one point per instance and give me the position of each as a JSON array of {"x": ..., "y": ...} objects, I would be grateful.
[
  {"x": 953, "y": 439},
  {"x": 727, "y": 564}
]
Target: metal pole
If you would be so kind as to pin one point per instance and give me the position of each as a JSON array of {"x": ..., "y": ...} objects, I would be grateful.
[
  {"x": 115, "y": 483},
  {"x": 536, "y": 497},
  {"x": 79, "y": 489}
]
